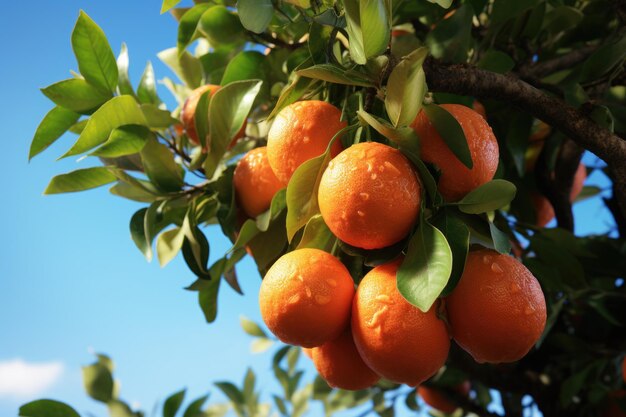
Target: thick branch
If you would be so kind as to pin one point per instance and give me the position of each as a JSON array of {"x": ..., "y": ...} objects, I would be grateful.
[{"x": 468, "y": 80}]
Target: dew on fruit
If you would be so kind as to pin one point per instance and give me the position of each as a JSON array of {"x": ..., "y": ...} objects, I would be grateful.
[
  {"x": 392, "y": 167},
  {"x": 332, "y": 282},
  {"x": 364, "y": 196},
  {"x": 486, "y": 259},
  {"x": 369, "y": 167},
  {"x": 300, "y": 278},
  {"x": 331, "y": 165},
  {"x": 293, "y": 299},
  {"x": 529, "y": 310},
  {"x": 308, "y": 292},
  {"x": 306, "y": 139},
  {"x": 374, "y": 176},
  {"x": 322, "y": 299},
  {"x": 515, "y": 288},
  {"x": 381, "y": 168},
  {"x": 344, "y": 216},
  {"x": 383, "y": 298},
  {"x": 496, "y": 268},
  {"x": 376, "y": 320},
  {"x": 360, "y": 213}
]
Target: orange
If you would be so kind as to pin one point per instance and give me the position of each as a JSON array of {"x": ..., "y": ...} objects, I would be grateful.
[
  {"x": 613, "y": 408},
  {"x": 188, "y": 112},
  {"x": 255, "y": 182},
  {"x": 624, "y": 369},
  {"x": 305, "y": 297},
  {"x": 396, "y": 33},
  {"x": 395, "y": 339},
  {"x": 543, "y": 208},
  {"x": 369, "y": 195},
  {"x": 308, "y": 352},
  {"x": 456, "y": 179},
  {"x": 497, "y": 311},
  {"x": 479, "y": 108},
  {"x": 341, "y": 366},
  {"x": 302, "y": 131},
  {"x": 438, "y": 399}
]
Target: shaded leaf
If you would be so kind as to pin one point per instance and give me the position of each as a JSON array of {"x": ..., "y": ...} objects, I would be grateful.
[
  {"x": 488, "y": 197},
  {"x": 80, "y": 180},
  {"x": 98, "y": 382},
  {"x": 334, "y": 74},
  {"x": 255, "y": 15},
  {"x": 406, "y": 89},
  {"x": 251, "y": 327},
  {"x": 47, "y": 408},
  {"x": 169, "y": 243},
  {"x": 146, "y": 91},
  {"x": 369, "y": 28},
  {"x": 173, "y": 403},
  {"x": 124, "y": 140},
  {"x": 451, "y": 132},
  {"x": 160, "y": 166}
]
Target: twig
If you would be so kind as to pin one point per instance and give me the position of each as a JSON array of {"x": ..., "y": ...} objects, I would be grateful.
[{"x": 550, "y": 66}]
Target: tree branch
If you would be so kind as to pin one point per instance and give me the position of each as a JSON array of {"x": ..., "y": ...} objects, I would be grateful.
[
  {"x": 465, "y": 79},
  {"x": 542, "y": 69}
]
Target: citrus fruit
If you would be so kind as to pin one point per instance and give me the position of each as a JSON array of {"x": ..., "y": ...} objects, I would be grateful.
[
  {"x": 395, "y": 339},
  {"x": 188, "y": 114},
  {"x": 302, "y": 131},
  {"x": 543, "y": 208},
  {"x": 497, "y": 311},
  {"x": 456, "y": 179},
  {"x": 369, "y": 195},
  {"x": 438, "y": 399},
  {"x": 341, "y": 366},
  {"x": 479, "y": 108},
  {"x": 255, "y": 182},
  {"x": 305, "y": 297},
  {"x": 613, "y": 408},
  {"x": 308, "y": 352},
  {"x": 624, "y": 369}
]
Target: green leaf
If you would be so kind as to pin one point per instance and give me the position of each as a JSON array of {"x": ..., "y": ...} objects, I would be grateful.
[
  {"x": 490, "y": 196},
  {"x": 603, "y": 60},
  {"x": 251, "y": 327},
  {"x": 52, "y": 127},
  {"x": 451, "y": 132},
  {"x": 96, "y": 61},
  {"x": 173, "y": 403},
  {"x": 228, "y": 111},
  {"x": 317, "y": 235},
  {"x": 124, "y": 140},
  {"x": 118, "y": 111},
  {"x": 221, "y": 26},
  {"x": 246, "y": 65},
  {"x": 403, "y": 136},
  {"x": 501, "y": 241},
  {"x": 98, "y": 382},
  {"x": 443, "y": 3},
  {"x": 160, "y": 166},
  {"x": 195, "y": 408},
  {"x": 80, "y": 180},
  {"x": 188, "y": 25},
  {"x": 504, "y": 10},
  {"x": 261, "y": 344},
  {"x": 458, "y": 236},
  {"x": 426, "y": 178},
  {"x": 406, "y": 89},
  {"x": 572, "y": 385},
  {"x": 278, "y": 204},
  {"x": 124, "y": 85},
  {"x": 47, "y": 408},
  {"x": 334, "y": 74},
  {"x": 157, "y": 118},
  {"x": 255, "y": 15},
  {"x": 369, "y": 28},
  {"x": 168, "y": 4},
  {"x": 496, "y": 61},
  {"x": 451, "y": 39},
  {"x": 76, "y": 94},
  {"x": 138, "y": 234},
  {"x": 248, "y": 231},
  {"x": 207, "y": 297},
  {"x": 119, "y": 408},
  {"x": 231, "y": 391},
  {"x": 426, "y": 269},
  {"x": 302, "y": 191},
  {"x": 292, "y": 93},
  {"x": 562, "y": 18},
  {"x": 146, "y": 91},
  {"x": 186, "y": 67},
  {"x": 169, "y": 243}
]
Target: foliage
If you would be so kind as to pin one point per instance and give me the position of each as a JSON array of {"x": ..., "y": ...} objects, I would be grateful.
[{"x": 343, "y": 52}]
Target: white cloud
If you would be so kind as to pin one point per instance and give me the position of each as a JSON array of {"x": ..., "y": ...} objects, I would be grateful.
[{"x": 23, "y": 379}]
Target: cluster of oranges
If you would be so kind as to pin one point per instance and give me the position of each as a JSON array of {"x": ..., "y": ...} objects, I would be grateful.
[{"x": 370, "y": 197}]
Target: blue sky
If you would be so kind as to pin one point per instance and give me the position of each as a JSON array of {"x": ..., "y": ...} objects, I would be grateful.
[{"x": 71, "y": 279}]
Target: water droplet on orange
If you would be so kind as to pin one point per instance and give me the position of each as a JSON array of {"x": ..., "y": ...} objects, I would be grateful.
[{"x": 496, "y": 268}]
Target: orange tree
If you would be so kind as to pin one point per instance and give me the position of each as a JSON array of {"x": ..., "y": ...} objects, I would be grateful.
[{"x": 413, "y": 150}]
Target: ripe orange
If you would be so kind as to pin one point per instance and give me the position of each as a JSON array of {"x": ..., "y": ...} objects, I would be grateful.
[
  {"x": 497, "y": 311},
  {"x": 305, "y": 297},
  {"x": 439, "y": 400},
  {"x": 479, "y": 108},
  {"x": 302, "y": 131},
  {"x": 188, "y": 114},
  {"x": 340, "y": 364},
  {"x": 544, "y": 210},
  {"x": 624, "y": 369},
  {"x": 308, "y": 352},
  {"x": 395, "y": 338},
  {"x": 456, "y": 179},
  {"x": 255, "y": 182},
  {"x": 369, "y": 195}
]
